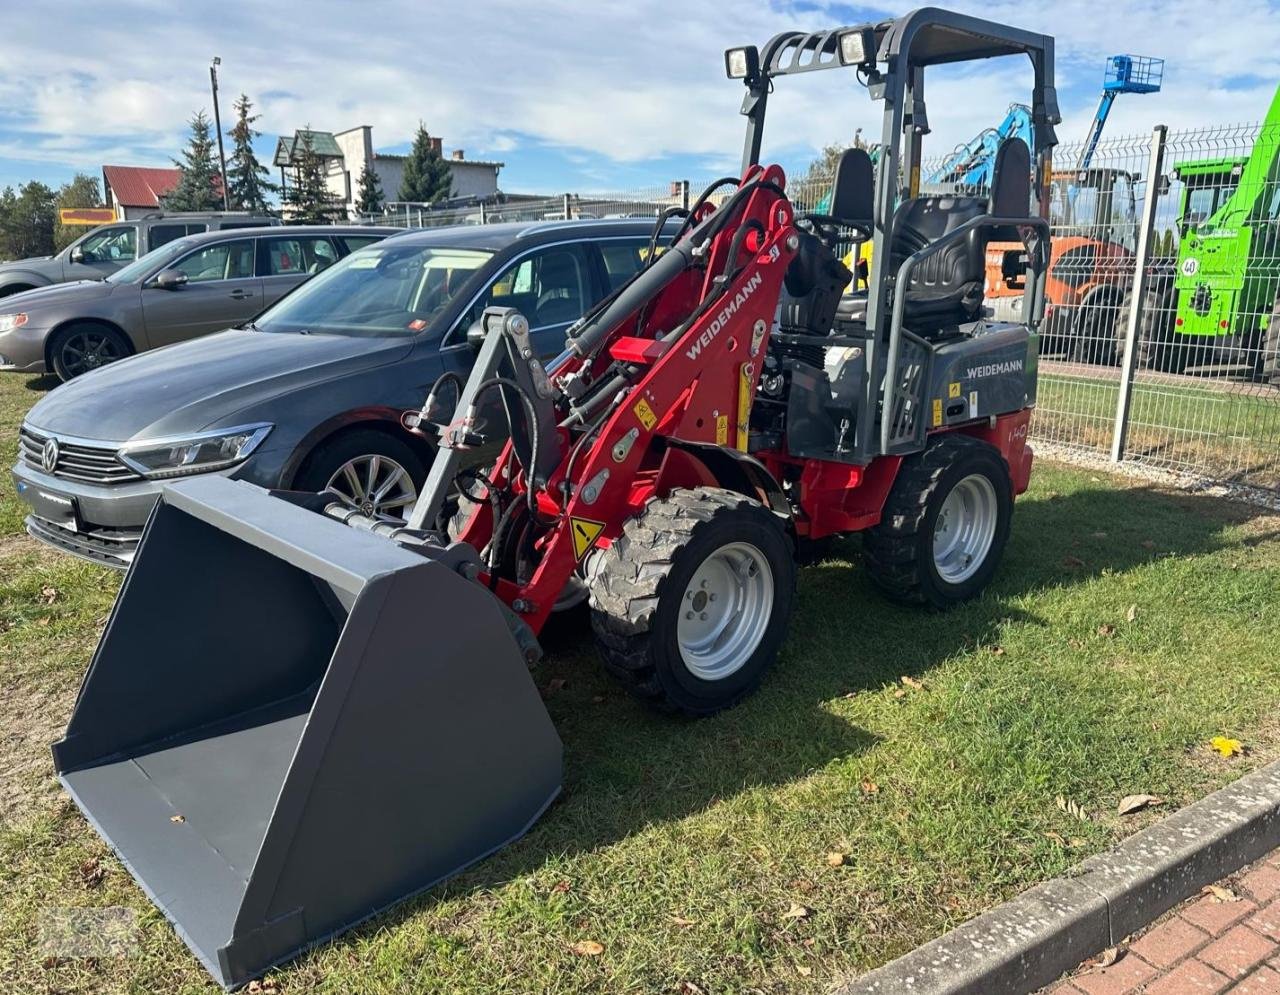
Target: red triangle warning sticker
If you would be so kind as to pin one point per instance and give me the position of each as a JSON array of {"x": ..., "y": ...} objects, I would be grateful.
[{"x": 585, "y": 533}]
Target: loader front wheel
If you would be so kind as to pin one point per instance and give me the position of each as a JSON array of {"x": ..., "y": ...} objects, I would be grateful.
[
  {"x": 690, "y": 605},
  {"x": 944, "y": 524}
]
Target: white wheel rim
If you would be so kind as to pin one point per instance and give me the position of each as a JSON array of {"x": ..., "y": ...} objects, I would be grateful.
[
  {"x": 965, "y": 529},
  {"x": 374, "y": 485},
  {"x": 725, "y": 611}
]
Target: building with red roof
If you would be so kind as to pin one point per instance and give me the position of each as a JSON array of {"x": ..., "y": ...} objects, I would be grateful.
[{"x": 135, "y": 191}]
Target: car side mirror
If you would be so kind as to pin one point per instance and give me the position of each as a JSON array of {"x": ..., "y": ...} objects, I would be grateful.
[
  {"x": 170, "y": 279},
  {"x": 77, "y": 255}
]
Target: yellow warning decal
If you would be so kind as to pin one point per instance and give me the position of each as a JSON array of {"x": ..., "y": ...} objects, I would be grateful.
[
  {"x": 722, "y": 430},
  {"x": 585, "y": 533},
  {"x": 953, "y": 391},
  {"x": 937, "y": 411},
  {"x": 746, "y": 388},
  {"x": 645, "y": 413}
]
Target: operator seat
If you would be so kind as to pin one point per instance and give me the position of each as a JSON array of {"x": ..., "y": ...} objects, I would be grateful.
[{"x": 946, "y": 289}]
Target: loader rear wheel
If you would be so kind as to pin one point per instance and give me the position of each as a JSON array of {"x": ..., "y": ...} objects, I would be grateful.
[
  {"x": 944, "y": 526},
  {"x": 690, "y": 605}
]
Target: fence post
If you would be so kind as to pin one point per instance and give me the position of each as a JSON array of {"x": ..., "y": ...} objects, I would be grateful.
[
  {"x": 566, "y": 207},
  {"x": 484, "y": 219},
  {"x": 684, "y": 194},
  {"x": 1138, "y": 294}
]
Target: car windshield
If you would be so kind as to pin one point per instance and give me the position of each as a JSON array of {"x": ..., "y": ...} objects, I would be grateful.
[
  {"x": 152, "y": 261},
  {"x": 386, "y": 289}
]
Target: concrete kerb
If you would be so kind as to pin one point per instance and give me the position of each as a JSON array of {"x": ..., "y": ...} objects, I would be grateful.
[{"x": 1033, "y": 939}]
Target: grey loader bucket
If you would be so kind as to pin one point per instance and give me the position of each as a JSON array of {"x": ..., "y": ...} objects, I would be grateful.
[{"x": 290, "y": 724}]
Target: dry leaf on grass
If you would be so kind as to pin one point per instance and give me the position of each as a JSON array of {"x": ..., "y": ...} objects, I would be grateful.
[
  {"x": 48, "y": 594},
  {"x": 1131, "y": 614},
  {"x": 1107, "y": 957},
  {"x": 44, "y": 621},
  {"x": 1106, "y": 629},
  {"x": 177, "y": 818},
  {"x": 997, "y": 650},
  {"x": 1221, "y": 894},
  {"x": 836, "y": 859},
  {"x": 803, "y": 971},
  {"x": 797, "y": 911},
  {"x": 92, "y": 873},
  {"x": 869, "y": 787},
  {"x": 588, "y": 948},
  {"x": 681, "y": 921},
  {"x": 1136, "y": 803},
  {"x": 560, "y": 887},
  {"x": 267, "y": 986},
  {"x": 1072, "y": 561},
  {"x": 1073, "y": 809},
  {"x": 1225, "y": 746},
  {"x": 689, "y": 988},
  {"x": 913, "y": 683},
  {"x": 554, "y": 686}
]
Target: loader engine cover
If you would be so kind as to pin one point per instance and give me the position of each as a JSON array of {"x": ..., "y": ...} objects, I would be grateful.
[
  {"x": 311, "y": 726},
  {"x": 991, "y": 373}
]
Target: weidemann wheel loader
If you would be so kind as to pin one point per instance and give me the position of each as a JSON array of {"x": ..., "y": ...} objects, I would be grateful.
[{"x": 298, "y": 716}]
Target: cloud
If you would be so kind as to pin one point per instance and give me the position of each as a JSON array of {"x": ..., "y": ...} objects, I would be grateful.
[{"x": 610, "y": 82}]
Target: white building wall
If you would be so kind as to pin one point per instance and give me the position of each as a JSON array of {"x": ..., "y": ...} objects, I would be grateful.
[{"x": 473, "y": 179}]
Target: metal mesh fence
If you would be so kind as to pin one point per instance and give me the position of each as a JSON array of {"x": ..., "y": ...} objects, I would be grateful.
[{"x": 1205, "y": 391}]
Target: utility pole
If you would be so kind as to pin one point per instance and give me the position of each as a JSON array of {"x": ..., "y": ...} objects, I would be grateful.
[{"x": 217, "y": 125}]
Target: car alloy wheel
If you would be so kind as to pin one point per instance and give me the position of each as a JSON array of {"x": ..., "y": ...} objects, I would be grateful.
[{"x": 374, "y": 485}]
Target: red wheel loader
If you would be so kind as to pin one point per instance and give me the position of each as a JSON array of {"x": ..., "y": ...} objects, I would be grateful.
[{"x": 299, "y": 715}]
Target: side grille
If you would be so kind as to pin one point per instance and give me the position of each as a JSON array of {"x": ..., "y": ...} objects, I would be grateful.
[{"x": 86, "y": 463}]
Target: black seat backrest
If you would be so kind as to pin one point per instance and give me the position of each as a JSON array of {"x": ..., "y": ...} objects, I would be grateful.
[
  {"x": 854, "y": 192},
  {"x": 921, "y": 221},
  {"x": 1011, "y": 180}
]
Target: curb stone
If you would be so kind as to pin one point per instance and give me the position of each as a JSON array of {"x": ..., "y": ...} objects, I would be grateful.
[{"x": 1035, "y": 938}]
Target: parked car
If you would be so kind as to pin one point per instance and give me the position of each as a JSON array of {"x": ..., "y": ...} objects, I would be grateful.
[
  {"x": 101, "y": 251},
  {"x": 190, "y": 287},
  {"x": 310, "y": 394}
]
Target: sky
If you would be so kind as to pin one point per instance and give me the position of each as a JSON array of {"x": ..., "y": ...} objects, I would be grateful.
[{"x": 584, "y": 96}]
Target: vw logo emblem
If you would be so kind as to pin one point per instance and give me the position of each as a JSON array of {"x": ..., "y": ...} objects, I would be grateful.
[{"x": 49, "y": 455}]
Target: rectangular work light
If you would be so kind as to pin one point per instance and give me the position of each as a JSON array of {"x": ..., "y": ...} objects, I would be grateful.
[
  {"x": 858, "y": 47},
  {"x": 742, "y": 63}
]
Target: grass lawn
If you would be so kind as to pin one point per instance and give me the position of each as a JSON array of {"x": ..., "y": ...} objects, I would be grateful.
[
  {"x": 1127, "y": 628},
  {"x": 1215, "y": 429}
]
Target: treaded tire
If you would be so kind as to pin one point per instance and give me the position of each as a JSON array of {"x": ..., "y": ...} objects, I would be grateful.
[
  {"x": 636, "y": 596},
  {"x": 899, "y": 551}
]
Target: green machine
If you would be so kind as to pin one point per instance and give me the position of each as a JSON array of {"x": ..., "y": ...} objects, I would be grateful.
[{"x": 1226, "y": 280}]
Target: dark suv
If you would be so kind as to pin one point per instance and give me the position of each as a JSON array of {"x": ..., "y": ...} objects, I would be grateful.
[
  {"x": 104, "y": 250},
  {"x": 310, "y": 395}
]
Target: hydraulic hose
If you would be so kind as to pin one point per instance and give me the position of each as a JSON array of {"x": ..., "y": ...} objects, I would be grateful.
[{"x": 531, "y": 415}]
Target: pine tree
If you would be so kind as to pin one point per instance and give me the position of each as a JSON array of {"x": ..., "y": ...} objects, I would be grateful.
[
  {"x": 427, "y": 177},
  {"x": 81, "y": 191},
  {"x": 26, "y": 221},
  {"x": 248, "y": 182},
  {"x": 309, "y": 198},
  {"x": 369, "y": 196},
  {"x": 198, "y": 186}
]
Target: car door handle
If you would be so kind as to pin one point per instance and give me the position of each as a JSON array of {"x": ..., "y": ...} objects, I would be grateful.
[{"x": 240, "y": 295}]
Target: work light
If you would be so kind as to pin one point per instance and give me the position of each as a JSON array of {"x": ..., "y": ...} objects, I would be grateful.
[
  {"x": 742, "y": 63},
  {"x": 858, "y": 47}
]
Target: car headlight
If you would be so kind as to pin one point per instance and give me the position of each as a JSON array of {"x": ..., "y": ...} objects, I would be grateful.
[
  {"x": 8, "y": 322},
  {"x": 199, "y": 453}
]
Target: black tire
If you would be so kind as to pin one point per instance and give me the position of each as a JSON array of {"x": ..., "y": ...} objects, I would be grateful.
[
  {"x": 899, "y": 552},
  {"x": 86, "y": 346},
  {"x": 1269, "y": 356},
  {"x": 329, "y": 457},
  {"x": 1148, "y": 334},
  {"x": 637, "y": 594},
  {"x": 1092, "y": 334}
]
